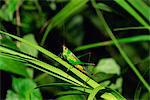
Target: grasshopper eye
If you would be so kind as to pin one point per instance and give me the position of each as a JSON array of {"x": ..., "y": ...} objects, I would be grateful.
[{"x": 64, "y": 48}]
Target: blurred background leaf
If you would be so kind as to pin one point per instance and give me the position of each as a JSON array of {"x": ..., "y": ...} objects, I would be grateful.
[
  {"x": 23, "y": 89},
  {"x": 11, "y": 65},
  {"x": 28, "y": 49},
  {"x": 108, "y": 66},
  {"x": 8, "y": 9},
  {"x": 74, "y": 34},
  {"x": 138, "y": 4},
  {"x": 131, "y": 11},
  {"x": 104, "y": 7}
]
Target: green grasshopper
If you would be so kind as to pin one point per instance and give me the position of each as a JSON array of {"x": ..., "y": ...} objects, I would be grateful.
[{"x": 72, "y": 59}]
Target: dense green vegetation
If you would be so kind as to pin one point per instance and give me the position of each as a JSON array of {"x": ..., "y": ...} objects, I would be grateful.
[{"x": 112, "y": 34}]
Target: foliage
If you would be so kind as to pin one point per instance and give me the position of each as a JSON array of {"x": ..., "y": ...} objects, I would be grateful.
[
  {"x": 32, "y": 33},
  {"x": 23, "y": 89},
  {"x": 27, "y": 49}
]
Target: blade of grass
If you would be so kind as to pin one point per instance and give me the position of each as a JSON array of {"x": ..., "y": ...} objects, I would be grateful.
[
  {"x": 91, "y": 82},
  {"x": 140, "y": 6},
  {"x": 115, "y": 95},
  {"x": 56, "y": 71},
  {"x": 93, "y": 93},
  {"x": 70, "y": 92},
  {"x": 6, "y": 55},
  {"x": 72, "y": 7},
  {"x": 126, "y": 58},
  {"x": 110, "y": 42},
  {"x": 104, "y": 7},
  {"x": 131, "y": 28},
  {"x": 132, "y": 12},
  {"x": 87, "y": 90},
  {"x": 76, "y": 86}
]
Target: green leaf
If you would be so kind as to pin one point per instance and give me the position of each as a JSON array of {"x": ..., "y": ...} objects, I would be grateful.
[
  {"x": 71, "y": 8},
  {"x": 139, "y": 38},
  {"x": 101, "y": 76},
  {"x": 131, "y": 11},
  {"x": 49, "y": 67},
  {"x": 117, "y": 85},
  {"x": 106, "y": 83},
  {"x": 24, "y": 90},
  {"x": 28, "y": 49},
  {"x": 107, "y": 65},
  {"x": 108, "y": 96},
  {"x": 7, "y": 10},
  {"x": 145, "y": 96},
  {"x": 10, "y": 65},
  {"x": 51, "y": 70},
  {"x": 53, "y": 6},
  {"x": 74, "y": 27},
  {"x": 11, "y": 95},
  {"x": 144, "y": 65},
  {"x": 141, "y": 6},
  {"x": 111, "y": 35},
  {"x": 70, "y": 92},
  {"x": 104, "y": 7},
  {"x": 70, "y": 97},
  {"x": 7, "y": 41},
  {"x": 91, "y": 82},
  {"x": 132, "y": 53},
  {"x": 30, "y": 72},
  {"x": 113, "y": 95},
  {"x": 28, "y": 19}
]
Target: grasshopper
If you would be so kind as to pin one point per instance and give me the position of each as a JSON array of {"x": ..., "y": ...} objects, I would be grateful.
[{"x": 72, "y": 59}]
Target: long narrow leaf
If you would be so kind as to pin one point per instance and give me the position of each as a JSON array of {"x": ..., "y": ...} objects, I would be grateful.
[
  {"x": 91, "y": 82},
  {"x": 131, "y": 11},
  {"x": 123, "y": 54},
  {"x": 110, "y": 42},
  {"x": 53, "y": 69},
  {"x": 67, "y": 11},
  {"x": 141, "y": 7}
]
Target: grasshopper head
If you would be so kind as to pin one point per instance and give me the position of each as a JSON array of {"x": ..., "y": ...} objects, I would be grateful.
[{"x": 64, "y": 48}]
